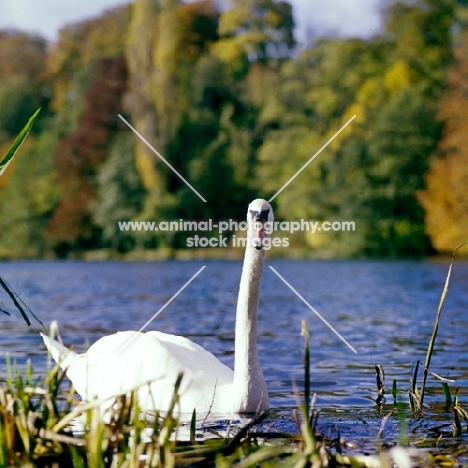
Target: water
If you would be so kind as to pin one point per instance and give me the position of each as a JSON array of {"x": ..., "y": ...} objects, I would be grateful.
[{"x": 384, "y": 309}]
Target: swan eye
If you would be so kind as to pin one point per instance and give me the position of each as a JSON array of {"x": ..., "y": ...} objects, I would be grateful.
[{"x": 264, "y": 214}]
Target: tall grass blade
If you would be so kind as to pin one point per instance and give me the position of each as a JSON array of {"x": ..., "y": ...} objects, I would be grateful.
[
  {"x": 413, "y": 393},
  {"x": 448, "y": 398},
  {"x": 305, "y": 333},
  {"x": 20, "y": 304},
  {"x": 394, "y": 391},
  {"x": 7, "y": 289},
  {"x": 193, "y": 425},
  {"x": 456, "y": 412},
  {"x": 17, "y": 143},
  {"x": 430, "y": 348},
  {"x": 380, "y": 379}
]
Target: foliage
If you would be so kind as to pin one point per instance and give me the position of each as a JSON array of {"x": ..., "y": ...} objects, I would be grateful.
[
  {"x": 445, "y": 200},
  {"x": 22, "y": 76},
  {"x": 5, "y": 220},
  {"x": 120, "y": 194},
  {"x": 80, "y": 152},
  {"x": 255, "y": 31},
  {"x": 226, "y": 99}
]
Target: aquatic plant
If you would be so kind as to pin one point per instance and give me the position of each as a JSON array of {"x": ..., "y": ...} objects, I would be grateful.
[{"x": 10, "y": 154}]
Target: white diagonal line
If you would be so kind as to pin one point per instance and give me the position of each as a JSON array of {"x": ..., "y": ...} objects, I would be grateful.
[
  {"x": 158, "y": 154},
  {"x": 312, "y": 309},
  {"x": 312, "y": 158},
  {"x": 162, "y": 308}
]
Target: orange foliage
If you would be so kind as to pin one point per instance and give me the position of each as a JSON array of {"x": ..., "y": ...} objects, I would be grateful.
[
  {"x": 445, "y": 200},
  {"x": 80, "y": 153}
]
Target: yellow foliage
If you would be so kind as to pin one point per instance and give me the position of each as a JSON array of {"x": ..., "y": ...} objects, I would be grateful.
[
  {"x": 397, "y": 77},
  {"x": 227, "y": 50},
  {"x": 446, "y": 201},
  {"x": 369, "y": 96},
  {"x": 273, "y": 18},
  {"x": 356, "y": 109},
  {"x": 230, "y": 20},
  {"x": 317, "y": 240},
  {"x": 370, "y": 93},
  {"x": 145, "y": 167}
]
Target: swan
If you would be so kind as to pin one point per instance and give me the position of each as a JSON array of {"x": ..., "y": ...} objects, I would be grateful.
[{"x": 153, "y": 360}]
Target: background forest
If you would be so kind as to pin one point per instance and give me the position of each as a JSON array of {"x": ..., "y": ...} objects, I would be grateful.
[{"x": 237, "y": 107}]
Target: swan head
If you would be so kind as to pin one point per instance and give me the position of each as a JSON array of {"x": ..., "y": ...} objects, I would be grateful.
[{"x": 260, "y": 223}]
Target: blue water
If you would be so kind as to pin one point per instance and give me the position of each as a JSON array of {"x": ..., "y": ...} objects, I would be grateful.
[{"x": 384, "y": 309}]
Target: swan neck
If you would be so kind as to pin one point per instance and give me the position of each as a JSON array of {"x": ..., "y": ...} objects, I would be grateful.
[{"x": 249, "y": 383}]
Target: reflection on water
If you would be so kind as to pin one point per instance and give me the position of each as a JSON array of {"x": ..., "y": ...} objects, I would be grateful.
[{"x": 386, "y": 310}]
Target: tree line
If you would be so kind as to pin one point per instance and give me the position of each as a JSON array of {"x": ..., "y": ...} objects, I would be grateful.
[{"x": 232, "y": 102}]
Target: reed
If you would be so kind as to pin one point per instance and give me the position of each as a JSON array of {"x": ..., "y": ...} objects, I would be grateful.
[
  {"x": 416, "y": 396},
  {"x": 10, "y": 154}
]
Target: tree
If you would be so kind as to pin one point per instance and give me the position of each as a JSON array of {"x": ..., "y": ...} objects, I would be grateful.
[
  {"x": 400, "y": 144},
  {"x": 420, "y": 33},
  {"x": 28, "y": 199},
  {"x": 445, "y": 199},
  {"x": 18, "y": 101},
  {"x": 165, "y": 42},
  {"x": 22, "y": 54},
  {"x": 119, "y": 194},
  {"x": 80, "y": 44},
  {"x": 80, "y": 153},
  {"x": 22, "y": 81},
  {"x": 259, "y": 30}
]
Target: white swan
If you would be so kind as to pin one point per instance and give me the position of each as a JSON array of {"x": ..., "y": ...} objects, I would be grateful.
[{"x": 156, "y": 358}]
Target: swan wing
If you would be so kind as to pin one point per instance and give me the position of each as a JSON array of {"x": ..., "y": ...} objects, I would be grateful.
[{"x": 149, "y": 362}]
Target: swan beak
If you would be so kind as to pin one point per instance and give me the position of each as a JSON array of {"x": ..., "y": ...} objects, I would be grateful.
[
  {"x": 259, "y": 219},
  {"x": 259, "y": 232},
  {"x": 260, "y": 235}
]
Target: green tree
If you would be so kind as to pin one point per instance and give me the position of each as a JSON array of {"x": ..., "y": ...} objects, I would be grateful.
[
  {"x": 120, "y": 194},
  {"x": 18, "y": 101},
  {"x": 399, "y": 144},
  {"x": 23, "y": 85},
  {"x": 259, "y": 30},
  {"x": 28, "y": 199},
  {"x": 420, "y": 32}
]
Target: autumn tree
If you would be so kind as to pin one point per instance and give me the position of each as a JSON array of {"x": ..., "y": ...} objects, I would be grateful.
[
  {"x": 81, "y": 43},
  {"x": 445, "y": 199},
  {"x": 165, "y": 41},
  {"x": 80, "y": 153}
]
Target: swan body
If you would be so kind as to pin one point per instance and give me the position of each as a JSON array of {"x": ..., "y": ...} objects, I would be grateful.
[
  {"x": 151, "y": 362},
  {"x": 104, "y": 373}
]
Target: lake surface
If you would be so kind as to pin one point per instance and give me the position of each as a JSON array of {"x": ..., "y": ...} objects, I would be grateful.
[{"x": 384, "y": 309}]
